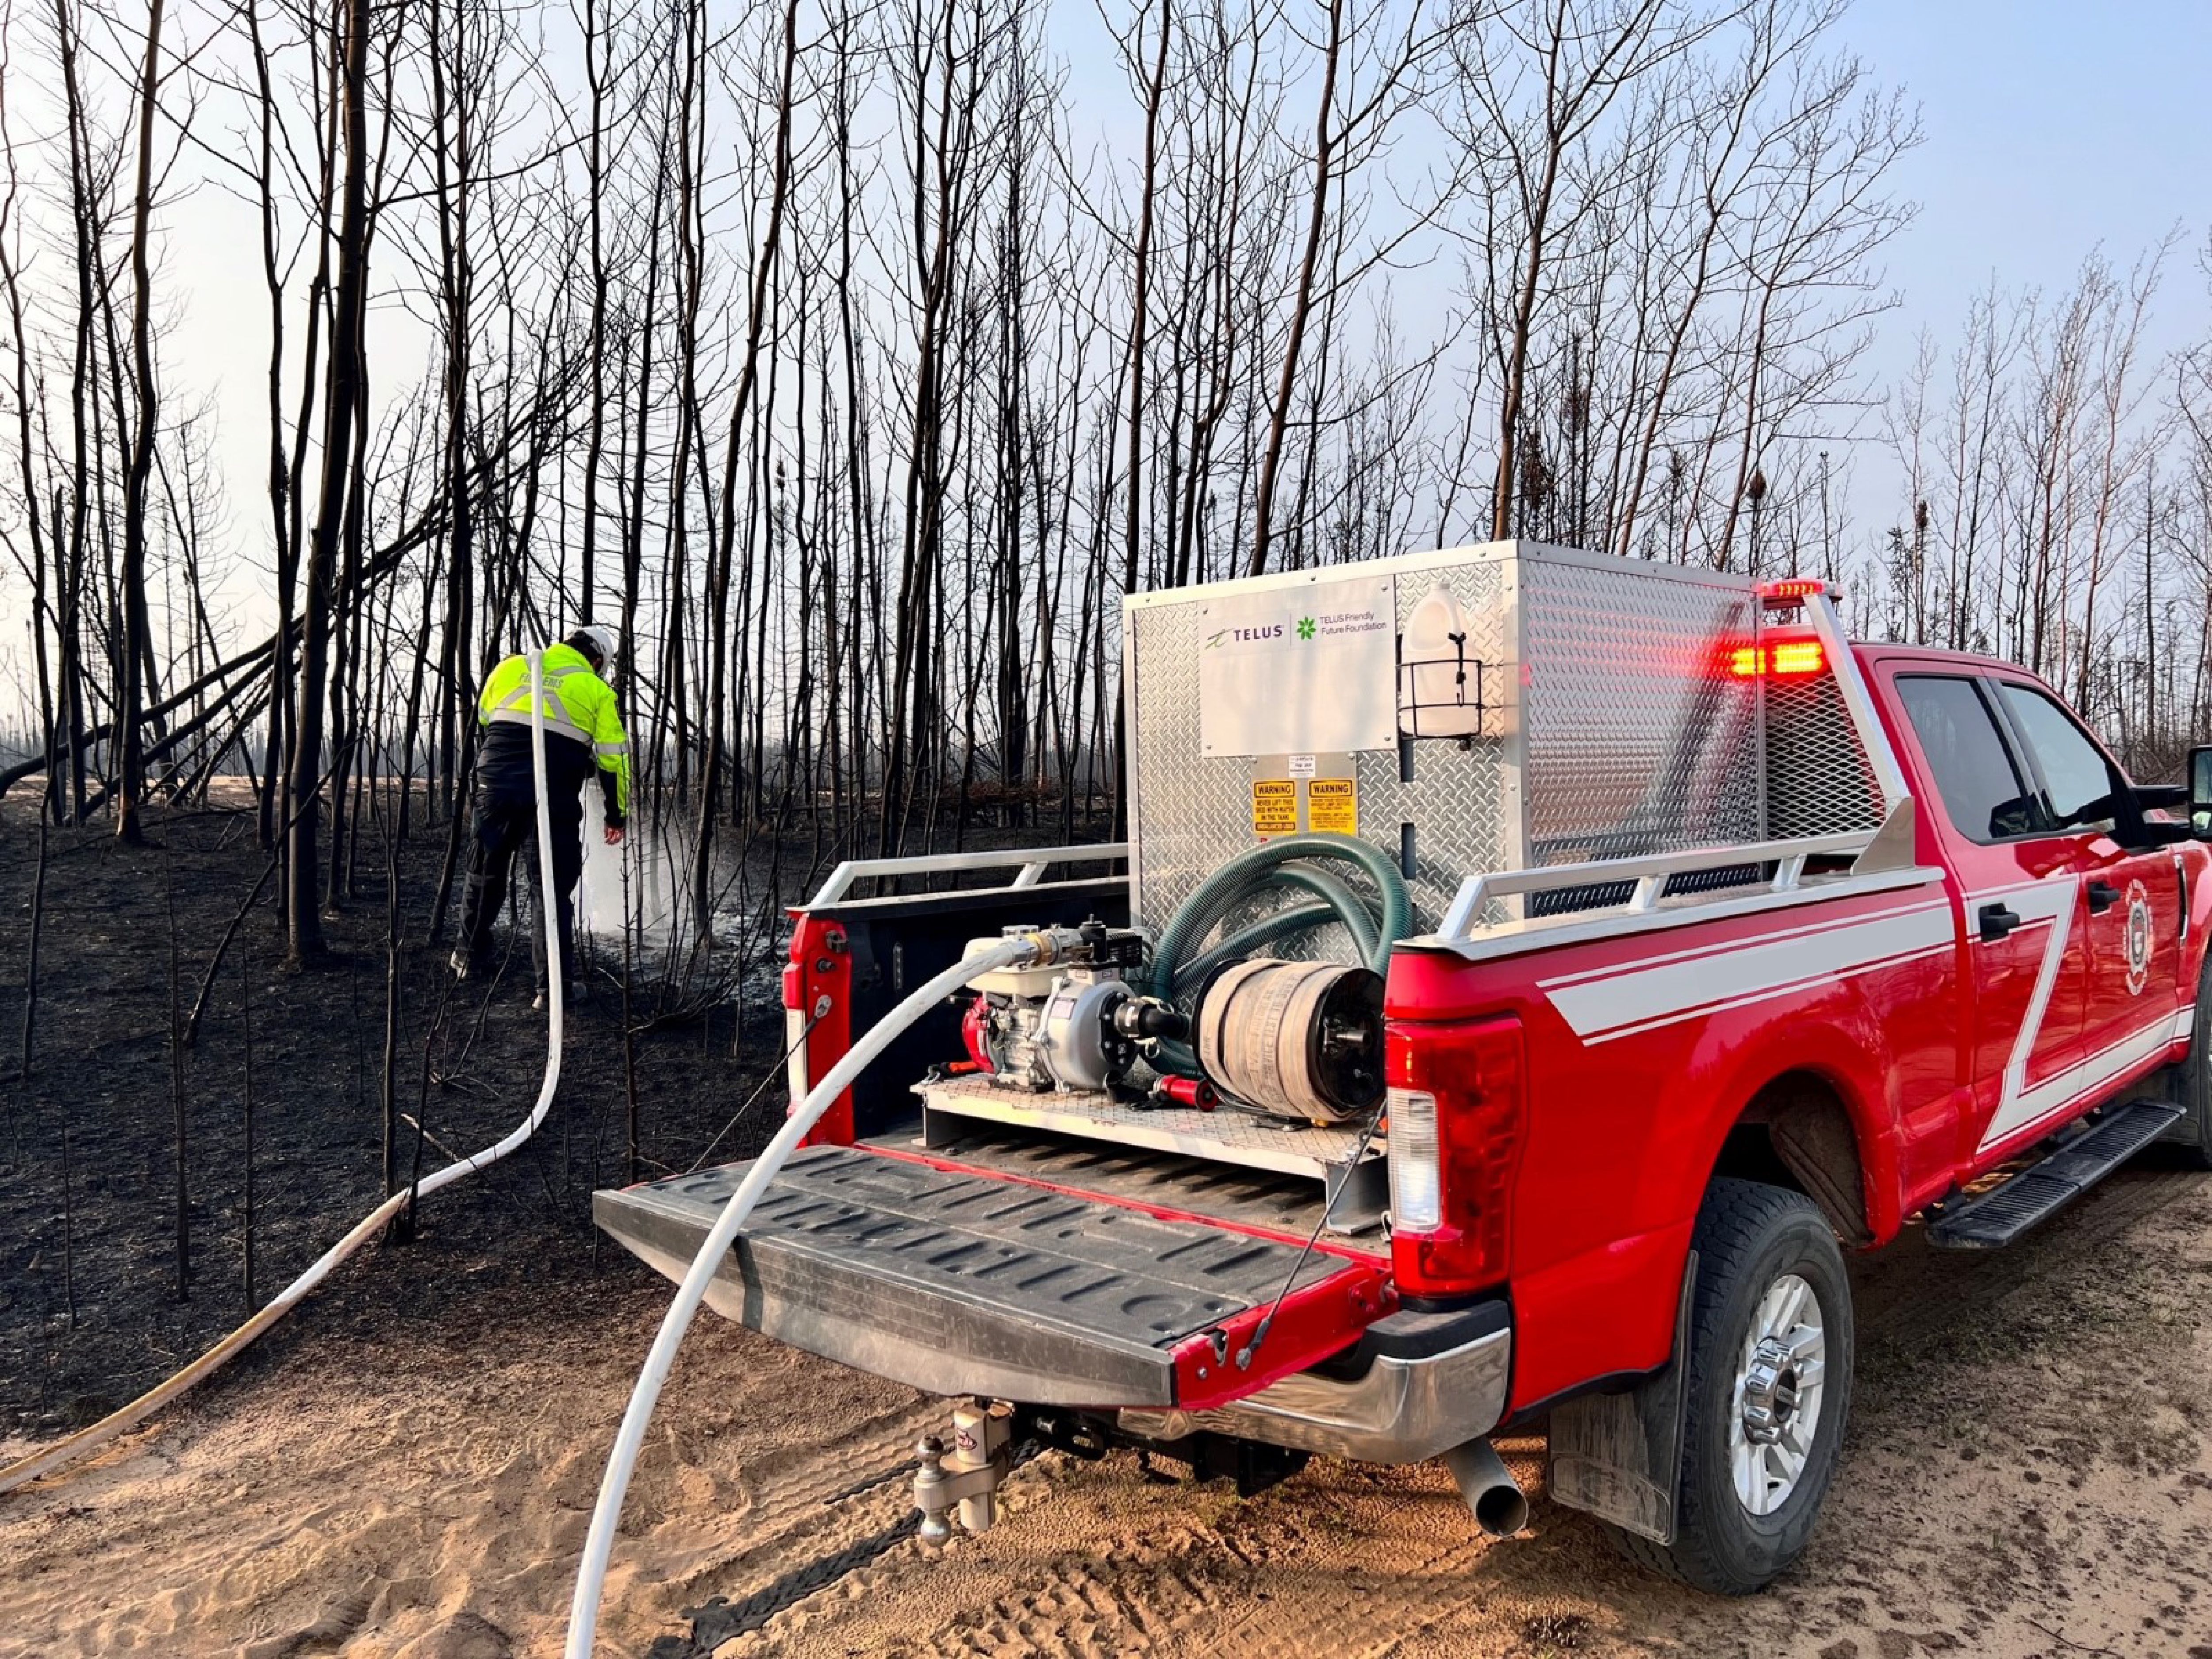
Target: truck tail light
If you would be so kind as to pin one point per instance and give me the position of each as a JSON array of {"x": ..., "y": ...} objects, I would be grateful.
[
  {"x": 817, "y": 979},
  {"x": 794, "y": 1020},
  {"x": 795, "y": 1077},
  {"x": 1457, "y": 1107},
  {"x": 1416, "y": 1194}
]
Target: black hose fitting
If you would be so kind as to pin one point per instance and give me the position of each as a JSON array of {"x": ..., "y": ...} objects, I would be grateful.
[{"x": 1147, "y": 1020}]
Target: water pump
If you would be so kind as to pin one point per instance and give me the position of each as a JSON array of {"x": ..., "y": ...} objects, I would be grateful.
[{"x": 1074, "y": 1021}]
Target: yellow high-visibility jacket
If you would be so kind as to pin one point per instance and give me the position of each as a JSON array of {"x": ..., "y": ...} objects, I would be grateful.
[{"x": 580, "y": 709}]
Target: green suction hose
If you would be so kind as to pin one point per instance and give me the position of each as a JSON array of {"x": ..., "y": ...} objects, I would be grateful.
[
  {"x": 1334, "y": 891},
  {"x": 1338, "y": 903},
  {"x": 1284, "y": 863},
  {"x": 1242, "y": 876},
  {"x": 1281, "y": 925}
]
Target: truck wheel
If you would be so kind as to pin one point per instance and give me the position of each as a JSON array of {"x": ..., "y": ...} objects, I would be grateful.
[
  {"x": 2192, "y": 1090},
  {"x": 1768, "y": 1389}
]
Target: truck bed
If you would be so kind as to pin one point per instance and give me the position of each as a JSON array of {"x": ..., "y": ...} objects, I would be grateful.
[{"x": 1246, "y": 1197}]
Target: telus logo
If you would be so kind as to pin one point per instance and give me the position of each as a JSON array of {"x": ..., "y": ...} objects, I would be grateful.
[{"x": 1273, "y": 632}]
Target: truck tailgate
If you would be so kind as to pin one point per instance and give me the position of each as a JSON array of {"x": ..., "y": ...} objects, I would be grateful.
[{"x": 959, "y": 1281}]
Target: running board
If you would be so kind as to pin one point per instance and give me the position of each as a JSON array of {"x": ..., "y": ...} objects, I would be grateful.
[{"x": 1990, "y": 1221}]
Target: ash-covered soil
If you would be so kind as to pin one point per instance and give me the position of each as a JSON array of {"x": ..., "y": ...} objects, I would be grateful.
[{"x": 90, "y": 1307}]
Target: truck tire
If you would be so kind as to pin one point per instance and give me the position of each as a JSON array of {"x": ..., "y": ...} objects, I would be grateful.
[
  {"x": 1770, "y": 1296},
  {"x": 2192, "y": 1083}
]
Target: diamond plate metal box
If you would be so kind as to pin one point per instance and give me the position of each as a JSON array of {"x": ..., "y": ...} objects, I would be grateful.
[{"x": 1612, "y": 727}]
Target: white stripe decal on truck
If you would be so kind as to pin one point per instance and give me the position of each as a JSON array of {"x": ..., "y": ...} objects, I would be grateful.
[
  {"x": 2022, "y": 1104},
  {"x": 1639, "y": 998},
  {"x": 1768, "y": 993},
  {"x": 2081, "y": 1081},
  {"x": 2045, "y": 901},
  {"x": 1941, "y": 907}
]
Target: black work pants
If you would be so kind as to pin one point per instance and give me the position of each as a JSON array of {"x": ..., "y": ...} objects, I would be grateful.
[{"x": 503, "y": 829}]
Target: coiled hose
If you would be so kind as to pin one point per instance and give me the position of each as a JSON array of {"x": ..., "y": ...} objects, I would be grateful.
[{"x": 1178, "y": 966}]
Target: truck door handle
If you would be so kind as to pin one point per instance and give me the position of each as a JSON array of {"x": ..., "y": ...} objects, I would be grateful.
[
  {"x": 2103, "y": 896},
  {"x": 1996, "y": 921}
]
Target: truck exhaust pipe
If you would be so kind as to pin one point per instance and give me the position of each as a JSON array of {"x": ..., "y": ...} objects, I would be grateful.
[{"x": 1492, "y": 1494}]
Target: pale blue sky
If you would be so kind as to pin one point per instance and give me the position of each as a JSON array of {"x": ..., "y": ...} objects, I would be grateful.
[{"x": 2049, "y": 128}]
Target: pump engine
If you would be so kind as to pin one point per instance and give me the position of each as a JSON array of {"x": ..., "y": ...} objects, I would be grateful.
[{"x": 1074, "y": 1020}]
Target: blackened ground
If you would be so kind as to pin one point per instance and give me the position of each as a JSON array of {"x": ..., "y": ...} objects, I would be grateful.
[{"x": 90, "y": 1313}]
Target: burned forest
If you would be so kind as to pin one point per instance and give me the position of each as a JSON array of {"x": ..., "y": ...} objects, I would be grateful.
[{"x": 850, "y": 362}]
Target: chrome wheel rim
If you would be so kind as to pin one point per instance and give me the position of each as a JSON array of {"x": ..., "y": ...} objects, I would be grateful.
[{"x": 1775, "y": 1411}]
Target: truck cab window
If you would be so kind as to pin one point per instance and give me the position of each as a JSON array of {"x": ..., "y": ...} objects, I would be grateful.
[
  {"x": 2079, "y": 777},
  {"x": 1982, "y": 792}
]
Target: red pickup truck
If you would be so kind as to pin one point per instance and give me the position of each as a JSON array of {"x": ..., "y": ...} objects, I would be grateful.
[{"x": 1801, "y": 942}]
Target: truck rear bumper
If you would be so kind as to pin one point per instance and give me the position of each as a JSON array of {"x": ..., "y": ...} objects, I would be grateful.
[{"x": 1414, "y": 1401}]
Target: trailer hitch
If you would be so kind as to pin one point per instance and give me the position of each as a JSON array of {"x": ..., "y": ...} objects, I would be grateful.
[{"x": 968, "y": 1476}]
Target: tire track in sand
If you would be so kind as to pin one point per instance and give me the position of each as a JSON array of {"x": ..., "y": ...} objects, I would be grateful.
[
  {"x": 790, "y": 1491},
  {"x": 803, "y": 1502},
  {"x": 1910, "y": 1292},
  {"x": 1163, "y": 1587},
  {"x": 1160, "y": 1584}
]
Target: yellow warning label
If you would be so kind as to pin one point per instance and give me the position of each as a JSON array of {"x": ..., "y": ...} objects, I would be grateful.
[
  {"x": 1333, "y": 805},
  {"x": 1275, "y": 806}
]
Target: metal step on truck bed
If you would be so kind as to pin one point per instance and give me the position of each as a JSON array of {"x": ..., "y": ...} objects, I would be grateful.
[
  {"x": 1348, "y": 1167},
  {"x": 960, "y": 1282}
]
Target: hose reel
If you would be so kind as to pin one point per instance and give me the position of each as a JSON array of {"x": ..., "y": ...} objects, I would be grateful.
[{"x": 1298, "y": 1039}]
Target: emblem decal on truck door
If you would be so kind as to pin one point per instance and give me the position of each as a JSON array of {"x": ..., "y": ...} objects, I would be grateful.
[
  {"x": 2138, "y": 938},
  {"x": 2022, "y": 1102}
]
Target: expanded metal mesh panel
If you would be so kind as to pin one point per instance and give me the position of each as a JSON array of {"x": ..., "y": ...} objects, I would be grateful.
[
  {"x": 1638, "y": 738},
  {"x": 1818, "y": 781},
  {"x": 1189, "y": 813}
]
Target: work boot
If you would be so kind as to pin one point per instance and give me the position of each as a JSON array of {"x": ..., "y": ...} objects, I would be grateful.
[
  {"x": 465, "y": 969},
  {"x": 572, "y": 1003}
]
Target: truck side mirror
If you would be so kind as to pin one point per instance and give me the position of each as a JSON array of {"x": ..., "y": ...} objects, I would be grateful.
[{"x": 2200, "y": 790}]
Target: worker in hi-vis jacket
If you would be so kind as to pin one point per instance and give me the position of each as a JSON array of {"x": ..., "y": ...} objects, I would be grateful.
[{"x": 583, "y": 736}]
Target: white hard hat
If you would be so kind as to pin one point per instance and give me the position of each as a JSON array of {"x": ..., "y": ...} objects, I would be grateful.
[{"x": 602, "y": 638}]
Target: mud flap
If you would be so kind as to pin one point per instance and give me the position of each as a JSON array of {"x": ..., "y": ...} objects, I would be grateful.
[{"x": 1619, "y": 1455}]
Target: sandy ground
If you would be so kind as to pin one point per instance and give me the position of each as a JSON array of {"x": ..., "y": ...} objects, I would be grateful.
[{"x": 2028, "y": 1474}]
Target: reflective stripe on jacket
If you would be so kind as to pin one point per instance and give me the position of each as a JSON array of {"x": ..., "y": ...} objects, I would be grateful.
[{"x": 580, "y": 708}]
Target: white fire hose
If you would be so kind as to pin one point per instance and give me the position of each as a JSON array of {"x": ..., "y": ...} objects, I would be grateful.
[
  {"x": 72, "y": 1447},
  {"x": 598, "y": 1543}
]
